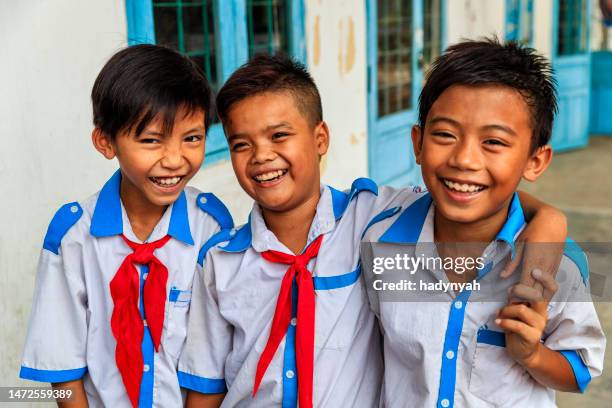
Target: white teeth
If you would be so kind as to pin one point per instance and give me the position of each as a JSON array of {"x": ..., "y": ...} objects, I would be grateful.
[
  {"x": 464, "y": 188},
  {"x": 167, "y": 181},
  {"x": 271, "y": 175}
]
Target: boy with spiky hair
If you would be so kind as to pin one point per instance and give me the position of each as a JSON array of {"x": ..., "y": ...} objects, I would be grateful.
[
  {"x": 114, "y": 279},
  {"x": 280, "y": 314},
  {"x": 485, "y": 120}
]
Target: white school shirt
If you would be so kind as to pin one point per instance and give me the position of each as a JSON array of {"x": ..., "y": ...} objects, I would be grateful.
[
  {"x": 449, "y": 352},
  {"x": 234, "y": 301},
  {"x": 69, "y": 335}
]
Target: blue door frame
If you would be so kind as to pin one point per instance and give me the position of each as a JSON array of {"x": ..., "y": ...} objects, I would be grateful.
[
  {"x": 390, "y": 155},
  {"x": 601, "y": 93},
  {"x": 231, "y": 36},
  {"x": 573, "y": 72}
]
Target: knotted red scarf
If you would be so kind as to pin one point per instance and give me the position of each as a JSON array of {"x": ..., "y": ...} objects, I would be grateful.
[
  {"x": 126, "y": 321},
  {"x": 305, "y": 330}
]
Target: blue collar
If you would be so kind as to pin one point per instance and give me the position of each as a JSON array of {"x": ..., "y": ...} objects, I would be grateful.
[
  {"x": 108, "y": 221},
  {"x": 409, "y": 224}
]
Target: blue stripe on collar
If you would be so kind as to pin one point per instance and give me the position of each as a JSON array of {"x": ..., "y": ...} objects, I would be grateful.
[
  {"x": 179, "y": 221},
  {"x": 513, "y": 224},
  {"x": 341, "y": 200},
  {"x": 407, "y": 228},
  {"x": 240, "y": 239},
  {"x": 107, "y": 220}
]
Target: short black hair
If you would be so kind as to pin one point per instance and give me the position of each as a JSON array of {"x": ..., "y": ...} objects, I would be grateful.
[
  {"x": 143, "y": 81},
  {"x": 272, "y": 73},
  {"x": 489, "y": 62}
]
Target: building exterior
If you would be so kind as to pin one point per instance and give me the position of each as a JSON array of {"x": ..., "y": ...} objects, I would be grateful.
[{"x": 368, "y": 58}]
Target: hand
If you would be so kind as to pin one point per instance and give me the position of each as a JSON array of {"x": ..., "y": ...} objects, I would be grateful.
[{"x": 524, "y": 323}]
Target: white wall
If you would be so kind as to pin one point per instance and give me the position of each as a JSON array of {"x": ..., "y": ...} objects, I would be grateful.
[
  {"x": 49, "y": 61},
  {"x": 472, "y": 19}
]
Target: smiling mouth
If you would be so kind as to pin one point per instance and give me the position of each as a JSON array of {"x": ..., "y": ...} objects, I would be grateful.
[
  {"x": 167, "y": 181},
  {"x": 463, "y": 187},
  {"x": 270, "y": 176}
]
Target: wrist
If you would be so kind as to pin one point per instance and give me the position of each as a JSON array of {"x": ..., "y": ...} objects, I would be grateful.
[{"x": 533, "y": 360}]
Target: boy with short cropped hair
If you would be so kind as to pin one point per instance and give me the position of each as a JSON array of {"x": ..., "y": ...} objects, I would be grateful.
[
  {"x": 485, "y": 120},
  {"x": 279, "y": 313},
  {"x": 114, "y": 279}
]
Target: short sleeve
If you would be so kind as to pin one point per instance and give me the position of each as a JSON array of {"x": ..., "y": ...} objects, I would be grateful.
[
  {"x": 574, "y": 328},
  {"x": 55, "y": 347},
  {"x": 209, "y": 337}
]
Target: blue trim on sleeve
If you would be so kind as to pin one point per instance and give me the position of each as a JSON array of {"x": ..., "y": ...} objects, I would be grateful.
[
  {"x": 221, "y": 236},
  {"x": 336, "y": 281},
  {"x": 492, "y": 337},
  {"x": 201, "y": 384},
  {"x": 573, "y": 251},
  {"x": 179, "y": 221},
  {"x": 210, "y": 204},
  {"x": 107, "y": 219},
  {"x": 407, "y": 227},
  {"x": 62, "y": 221},
  {"x": 581, "y": 371},
  {"x": 51, "y": 376},
  {"x": 290, "y": 385},
  {"x": 381, "y": 216}
]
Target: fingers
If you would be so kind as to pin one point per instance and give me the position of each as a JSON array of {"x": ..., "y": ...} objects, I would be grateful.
[
  {"x": 513, "y": 263},
  {"x": 523, "y": 320},
  {"x": 548, "y": 282}
]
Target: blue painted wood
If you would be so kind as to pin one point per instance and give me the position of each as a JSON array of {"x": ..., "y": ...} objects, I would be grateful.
[
  {"x": 601, "y": 93},
  {"x": 140, "y": 27},
  {"x": 519, "y": 21},
  {"x": 390, "y": 155},
  {"x": 573, "y": 72}
]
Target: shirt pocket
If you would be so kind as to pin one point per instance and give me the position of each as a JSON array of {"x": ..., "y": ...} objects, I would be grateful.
[
  {"x": 496, "y": 378},
  {"x": 177, "y": 312}
]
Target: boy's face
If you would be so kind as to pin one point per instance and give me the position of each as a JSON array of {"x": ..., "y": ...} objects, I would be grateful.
[
  {"x": 474, "y": 150},
  {"x": 155, "y": 168},
  {"x": 275, "y": 151}
]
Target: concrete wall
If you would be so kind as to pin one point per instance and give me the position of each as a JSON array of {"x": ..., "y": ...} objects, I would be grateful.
[{"x": 472, "y": 19}]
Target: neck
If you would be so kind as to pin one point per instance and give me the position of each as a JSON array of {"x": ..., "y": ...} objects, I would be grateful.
[
  {"x": 483, "y": 230},
  {"x": 291, "y": 227},
  {"x": 143, "y": 215}
]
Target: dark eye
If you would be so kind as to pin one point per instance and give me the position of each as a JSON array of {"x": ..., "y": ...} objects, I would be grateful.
[
  {"x": 279, "y": 135},
  {"x": 193, "y": 138},
  {"x": 495, "y": 142},
  {"x": 149, "y": 140},
  {"x": 236, "y": 147}
]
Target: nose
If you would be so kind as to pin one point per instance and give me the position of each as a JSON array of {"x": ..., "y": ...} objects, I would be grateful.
[
  {"x": 263, "y": 153},
  {"x": 466, "y": 155},
  {"x": 173, "y": 157}
]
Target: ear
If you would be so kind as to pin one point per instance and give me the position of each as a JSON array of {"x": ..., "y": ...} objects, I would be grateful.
[
  {"x": 417, "y": 142},
  {"x": 537, "y": 163},
  {"x": 103, "y": 143},
  {"x": 322, "y": 138}
]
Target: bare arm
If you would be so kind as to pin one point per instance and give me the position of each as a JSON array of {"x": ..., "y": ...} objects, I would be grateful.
[
  {"x": 78, "y": 397},
  {"x": 198, "y": 400}
]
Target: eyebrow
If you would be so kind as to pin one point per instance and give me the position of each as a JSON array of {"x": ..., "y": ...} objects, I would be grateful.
[{"x": 493, "y": 126}]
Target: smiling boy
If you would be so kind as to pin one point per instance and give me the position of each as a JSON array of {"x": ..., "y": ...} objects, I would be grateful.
[
  {"x": 279, "y": 313},
  {"x": 485, "y": 120},
  {"x": 114, "y": 279}
]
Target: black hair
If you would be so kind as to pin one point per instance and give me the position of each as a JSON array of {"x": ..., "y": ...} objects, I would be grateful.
[
  {"x": 272, "y": 73},
  {"x": 489, "y": 62},
  {"x": 143, "y": 81}
]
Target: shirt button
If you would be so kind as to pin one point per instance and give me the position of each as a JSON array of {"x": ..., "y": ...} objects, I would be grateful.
[
  {"x": 450, "y": 354},
  {"x": 232, "y": 232},
  {"x": 293, "y": 321},
  {"x": 146, "y": 368},
  {"x": 290, "y": 374},
  {"x": 445, "y": 403},
  {"x": 74, "y": 209},
  {"x": 203, "y": 200},
  {"x": 458, "y": 304},
  {"x": 145, "y": 275},
  {"x": 145, "y": 322}
]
